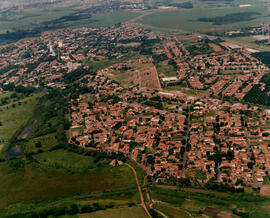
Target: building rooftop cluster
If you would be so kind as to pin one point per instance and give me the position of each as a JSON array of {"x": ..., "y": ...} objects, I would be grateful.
[
  {"x": 129, "y": 109},
  {"x": 44, "y": 60},
  {"x": 225, "y": 141}
]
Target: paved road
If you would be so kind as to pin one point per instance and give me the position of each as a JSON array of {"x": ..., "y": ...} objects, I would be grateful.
[{"x": 140, "y": 190}]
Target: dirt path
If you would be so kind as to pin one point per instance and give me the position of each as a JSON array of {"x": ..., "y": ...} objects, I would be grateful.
[
  {"x": 161, "y": 202},
  {"x": 158, "y": 211},
  {"x": 140, "y": 190}
]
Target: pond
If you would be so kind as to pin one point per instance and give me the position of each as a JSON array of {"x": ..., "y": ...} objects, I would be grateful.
[
  {"x": 14, "y": 152},
  {"x": 27, "y": 131}
]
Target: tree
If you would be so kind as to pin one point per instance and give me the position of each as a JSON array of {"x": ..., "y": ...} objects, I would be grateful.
[
  {"x": 38, "y": 144},
  {"x": 86, "y": 209},
  {"x": 250, "y": 165},
  {"x": 61, "y": 135}
]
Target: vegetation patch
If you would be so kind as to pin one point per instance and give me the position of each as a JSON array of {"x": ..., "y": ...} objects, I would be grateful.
[
  {"x": 230, "y": 18},
  {"x": 258, "y": 96},
  {"x": 60, "y": 174},
  {"x": 131, "y": 212}
]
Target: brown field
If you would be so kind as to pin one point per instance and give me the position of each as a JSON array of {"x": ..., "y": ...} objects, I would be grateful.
[
  {"x": 132, "y": 44},
  {"x": 265, "y": 190},
  {"x": 187, "y": 37},
  {"x": 173, "y": 187},
  {"x": 215, "y": 47},
  {"x": 133, "y": 78},
  {"x": 226, "y": 44},
  {"x": 149, "y": 77}
]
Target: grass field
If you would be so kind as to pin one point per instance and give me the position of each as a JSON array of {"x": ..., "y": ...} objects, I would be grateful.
[
  {"x": 31, "y": 17},
  {"x": 194, "y": 201},
  {"x": 13, "y": 117},
  {"x": 61, "y": 176},
  {"x": 131, "y": 212},
  {"x": 105, "y": 19},
  {"x": 46, "y": 142},
  {"x": 35, "y": 17},
  {"x": 166, "y": 69},
  {"x": 186, "y": 19},
  {"x": 170, "y": 211}
]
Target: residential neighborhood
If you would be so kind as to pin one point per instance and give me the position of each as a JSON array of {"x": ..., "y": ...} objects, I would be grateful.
[{"x": 174, "y": 105}]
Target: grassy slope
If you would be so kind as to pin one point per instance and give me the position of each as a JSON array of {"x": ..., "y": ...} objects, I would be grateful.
[
  {"x": 195, "y": 201},
  {"x": 172, "y": 212},
  {"x": 34, "y": 17},
  {"x": 131, "y": 212},
  {"x": 105, "y": 19},
  {"x": 14, "y": 118},
  {"x": 61, "y": 175},
  {"x": 186, "y": 19}
]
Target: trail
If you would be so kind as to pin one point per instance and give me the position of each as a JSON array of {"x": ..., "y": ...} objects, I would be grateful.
[
  {"x": 158, "y": 211},
  {"x": 140, "y": 190},
  {"x": 161, "y": 202}
]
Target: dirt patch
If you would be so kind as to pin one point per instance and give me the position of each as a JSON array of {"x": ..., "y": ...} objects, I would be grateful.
[
  {"x": 211, "y": 211},
  {"x": 132, "y": 44},
  {"x": 265, "y": 190},
  {"x": 149, "y": 77},
  {"x": 215, "y": 47},
  {"x": 172, "y": 187},
  {"x": 1, "y": 146}
]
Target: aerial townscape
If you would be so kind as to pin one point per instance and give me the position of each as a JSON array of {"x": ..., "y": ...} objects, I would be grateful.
[{"x": 134, "y": 108}]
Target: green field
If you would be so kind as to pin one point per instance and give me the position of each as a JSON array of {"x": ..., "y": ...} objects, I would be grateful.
[
  {"x": 170, "y": 211},
  {"x": 166, "y": 69},
  {"x": 37, "y": 17},
  {"x": 131, "y": 212},
  {"x": 194, "y": 201},
  {"x": 14, "y": 115},
  {"x": 105, "y": 19},
  {"x": 62, "y": 177},
  {"x": 31, "y": 17},
  {"x": 186, "y": 19}
]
